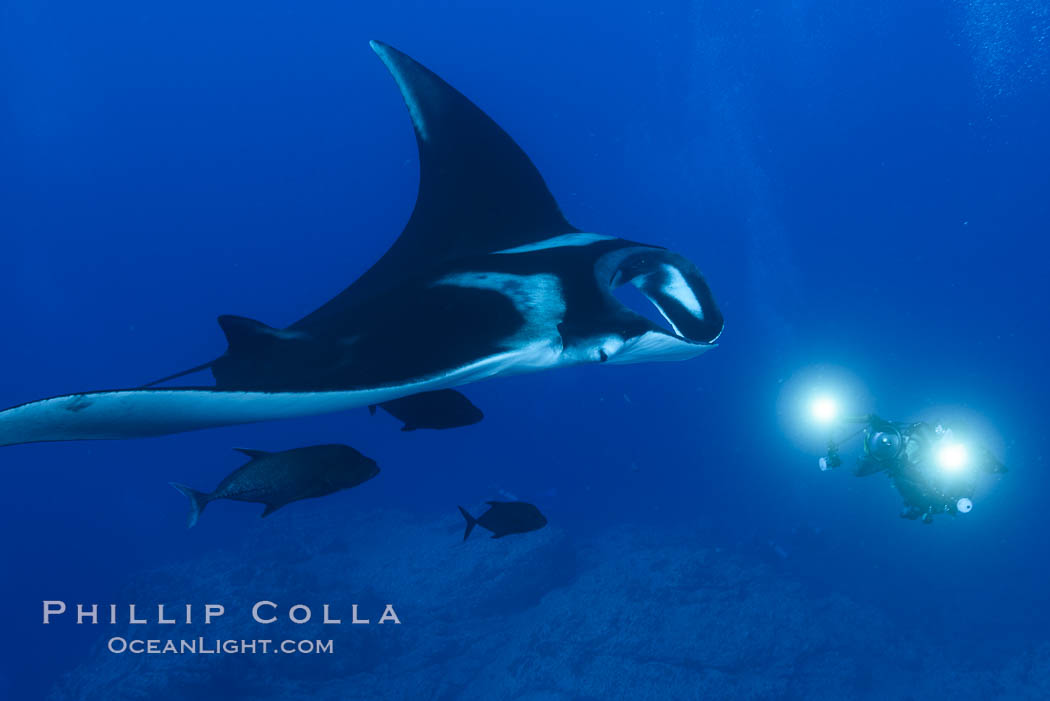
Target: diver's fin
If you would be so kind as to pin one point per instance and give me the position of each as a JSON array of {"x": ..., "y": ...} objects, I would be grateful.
[
  {"x": 198, "y": 500},
  {"x": 270, "y": 508},
  {"x": 478, "y": 191},
  {"x": 471, "y": 522},
  {"x": 253, "y": 454}
]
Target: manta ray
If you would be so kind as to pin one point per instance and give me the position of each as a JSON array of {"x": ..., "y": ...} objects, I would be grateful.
[{"x": 487, "y": 279}]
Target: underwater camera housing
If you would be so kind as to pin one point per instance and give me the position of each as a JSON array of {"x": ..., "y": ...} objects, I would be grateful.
[
  {"x": 883, "y": 443},
  {"x": 832, "y": 459},
  {"x": 933, "y": 471}
]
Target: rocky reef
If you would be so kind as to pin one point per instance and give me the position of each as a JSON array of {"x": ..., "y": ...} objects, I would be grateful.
[{"x": 543, "y": 617}]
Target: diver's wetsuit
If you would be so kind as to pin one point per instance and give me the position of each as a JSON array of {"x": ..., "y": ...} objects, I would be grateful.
[
  {"x": 902, "y": 451},
  {"x": 921, "y": 498}
]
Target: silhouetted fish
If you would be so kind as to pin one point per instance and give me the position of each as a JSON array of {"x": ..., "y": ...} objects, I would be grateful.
[
  {"x": 443, "y": 408},
  {"x": 506, "y": 518},
  {"x": 276, "y": 479}
]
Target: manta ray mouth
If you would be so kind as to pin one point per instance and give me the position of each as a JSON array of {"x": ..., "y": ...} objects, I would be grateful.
[{"x": 672, "y": 285}]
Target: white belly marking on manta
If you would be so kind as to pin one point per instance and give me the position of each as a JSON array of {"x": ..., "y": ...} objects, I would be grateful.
[
  {"x": 539, "y": 300},
  {"x": 135, "y": 413}
]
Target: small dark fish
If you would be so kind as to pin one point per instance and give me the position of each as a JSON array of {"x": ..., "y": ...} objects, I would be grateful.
[
  {"x": 443, "y": 408},
  {"x": 506, "y": 518},
  {"x": 276, "y": 479}
]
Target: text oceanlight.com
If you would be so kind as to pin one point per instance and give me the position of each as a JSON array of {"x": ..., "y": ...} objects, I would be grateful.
[{"x": 204, "y": 646}]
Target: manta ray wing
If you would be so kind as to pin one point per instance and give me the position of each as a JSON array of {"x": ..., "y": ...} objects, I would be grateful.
[
  {"x": 487, "y": 279},
  {"x": 478, "y": 191}
]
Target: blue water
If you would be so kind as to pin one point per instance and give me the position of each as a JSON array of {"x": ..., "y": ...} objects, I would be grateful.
[{"x": 864, "y": 186}]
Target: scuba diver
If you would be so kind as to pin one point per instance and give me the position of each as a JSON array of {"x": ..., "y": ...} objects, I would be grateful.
[{"x": 930, "y": 469}]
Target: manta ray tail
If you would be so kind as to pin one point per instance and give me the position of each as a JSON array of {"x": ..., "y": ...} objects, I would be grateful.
[
  {"x": 198, "y": 500},
  {"x": 202, "y": 366},
  {"x": 245, "y": 338}
]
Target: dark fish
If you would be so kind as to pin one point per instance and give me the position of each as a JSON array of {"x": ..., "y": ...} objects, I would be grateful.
[
  {"x": 276, "y": 479},
  {"x": 443, "y": 408},
  {"x": 506, "y": 518}
]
